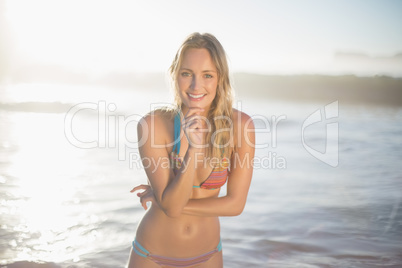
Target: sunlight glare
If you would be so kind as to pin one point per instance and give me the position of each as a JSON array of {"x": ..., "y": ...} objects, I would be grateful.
[
  {"x": 74, "y": 33},
  {"x": 51, "y": 226}
]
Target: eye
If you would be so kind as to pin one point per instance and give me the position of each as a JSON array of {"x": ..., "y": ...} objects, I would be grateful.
[
  {"x": 208, "y": 76},
  {"x": 185, "y": 74}
]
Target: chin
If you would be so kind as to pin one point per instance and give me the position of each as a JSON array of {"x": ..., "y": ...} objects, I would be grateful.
[{"x": 197, "y": 105}]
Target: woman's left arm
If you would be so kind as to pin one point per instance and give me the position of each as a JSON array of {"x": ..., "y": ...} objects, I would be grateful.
[{"x": 241, "y": 172}]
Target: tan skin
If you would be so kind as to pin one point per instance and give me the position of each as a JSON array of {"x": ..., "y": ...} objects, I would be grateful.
[{"x": 183, "y": 221}]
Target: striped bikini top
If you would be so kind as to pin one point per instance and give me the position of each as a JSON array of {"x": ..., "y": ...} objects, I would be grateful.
[{"x": 219, "y": 173}]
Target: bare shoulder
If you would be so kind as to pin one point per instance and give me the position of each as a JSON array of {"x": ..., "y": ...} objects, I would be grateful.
[
  {"x": 243, "y": 130},
  {"x": 242, "y": 120},
  {"x": 159, "y": 115},
  {"x": 158, "y": 121}
]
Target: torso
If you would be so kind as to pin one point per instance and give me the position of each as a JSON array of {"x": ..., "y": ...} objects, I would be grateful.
[{"x": 188, "y": 235}]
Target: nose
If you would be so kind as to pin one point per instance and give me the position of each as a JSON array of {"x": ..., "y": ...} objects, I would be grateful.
[{"x": 196, "y": 83}]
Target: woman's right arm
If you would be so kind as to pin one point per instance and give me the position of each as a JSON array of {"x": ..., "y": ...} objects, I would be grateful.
[{"x": 171, "y": 192}]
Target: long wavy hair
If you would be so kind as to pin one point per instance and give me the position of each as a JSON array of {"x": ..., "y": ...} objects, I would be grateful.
[{"x": 220, "y": 137}]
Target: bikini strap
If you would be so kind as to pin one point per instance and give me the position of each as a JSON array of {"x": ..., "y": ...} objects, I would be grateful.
[{"x": 177, "y": 129}]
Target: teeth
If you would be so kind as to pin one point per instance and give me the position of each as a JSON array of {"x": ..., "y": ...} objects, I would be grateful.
[{"x": 196, "y": 96}]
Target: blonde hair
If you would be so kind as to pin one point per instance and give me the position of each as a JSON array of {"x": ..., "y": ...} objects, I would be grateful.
[{"x": 220, "y": 138}]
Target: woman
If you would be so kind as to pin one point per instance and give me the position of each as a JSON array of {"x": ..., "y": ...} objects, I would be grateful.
[{"x": 189, "y": 153}]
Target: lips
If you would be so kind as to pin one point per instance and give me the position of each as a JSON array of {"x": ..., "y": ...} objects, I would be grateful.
[{"x": 194, "y": 97}]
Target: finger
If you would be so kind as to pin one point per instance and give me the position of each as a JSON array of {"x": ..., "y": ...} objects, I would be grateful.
[
  {"x": 202, "y": 120},
  {"x": 144, "y": 205},
  {"x": 193, "y": 125},
  {"x": 194, "y": 110},
  {"x": 144, "y": 193},
  {"x": 192, "y": 117},
  {"x": 139, "y": 187},
  {"x": 144, "y": 201}
]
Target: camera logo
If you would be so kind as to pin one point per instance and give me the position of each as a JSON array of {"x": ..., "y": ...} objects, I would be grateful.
[{"x": 327, "y": 115}]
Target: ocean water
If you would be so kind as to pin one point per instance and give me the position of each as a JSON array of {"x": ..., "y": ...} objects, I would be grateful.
[{"x": 325, "y": 193}]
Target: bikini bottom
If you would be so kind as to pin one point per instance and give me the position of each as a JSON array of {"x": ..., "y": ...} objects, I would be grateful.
[{"x": 175, "y": 262}]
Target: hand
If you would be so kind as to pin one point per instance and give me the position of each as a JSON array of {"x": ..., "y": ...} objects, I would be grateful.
[
  {"x": 145, "y": 196},
  {"x": 194, "y": 127}
]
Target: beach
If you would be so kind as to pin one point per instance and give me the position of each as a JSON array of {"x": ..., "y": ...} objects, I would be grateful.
[{"x": 318, "y": 198}]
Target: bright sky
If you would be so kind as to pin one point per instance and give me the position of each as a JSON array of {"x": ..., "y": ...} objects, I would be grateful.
[{"x": 259, "y": 35}]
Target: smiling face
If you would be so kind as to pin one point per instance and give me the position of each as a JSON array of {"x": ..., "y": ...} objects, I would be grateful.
[{"x": 197, "y": 79}]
